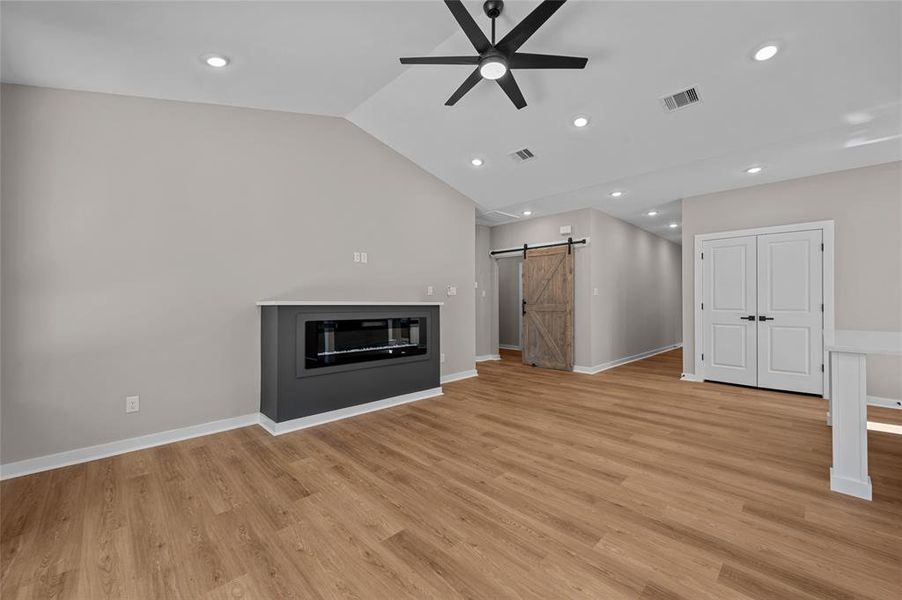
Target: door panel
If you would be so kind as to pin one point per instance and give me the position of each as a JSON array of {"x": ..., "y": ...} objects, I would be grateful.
[
  {"x": 729, "y": 345},
  {"x": 790, "y": 296},
  {"x": 548, "y": 306},
  {"x": 730, "y": 339}
]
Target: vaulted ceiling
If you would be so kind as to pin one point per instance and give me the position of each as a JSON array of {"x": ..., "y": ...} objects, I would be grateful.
[{"x": 829, "y": 100}]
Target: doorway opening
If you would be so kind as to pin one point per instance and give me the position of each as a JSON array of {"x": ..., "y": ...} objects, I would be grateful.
[
  {"x": 536, "y": 296},
  {"x": 510, "y": 301}
]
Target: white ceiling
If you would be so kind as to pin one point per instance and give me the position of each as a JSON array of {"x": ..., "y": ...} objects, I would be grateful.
[{"x": 790, "y": 114}]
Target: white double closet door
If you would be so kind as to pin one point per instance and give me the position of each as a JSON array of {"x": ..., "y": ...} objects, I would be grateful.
[{"x": 763, "y": 311}]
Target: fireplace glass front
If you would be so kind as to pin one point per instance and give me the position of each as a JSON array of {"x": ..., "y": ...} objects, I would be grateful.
[{"x": 345, "y": 341}]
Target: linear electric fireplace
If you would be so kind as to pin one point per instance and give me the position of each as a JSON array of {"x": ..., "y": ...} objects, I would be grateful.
[
  {"x": 347, "y": 341},
  {"x": 321, "y": 357}
]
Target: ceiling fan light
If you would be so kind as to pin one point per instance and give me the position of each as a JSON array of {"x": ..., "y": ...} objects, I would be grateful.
[{"x": 493, "y": 69}]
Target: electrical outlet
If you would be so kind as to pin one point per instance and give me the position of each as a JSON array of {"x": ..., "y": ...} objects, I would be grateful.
[
  {"x": 132, "y": 404},
  {"x": 357, "y": 257},
  {"x": 476, "y": 284},
  {"x": 452, "y": 290},
  {"x": 363, "y": 257},
  {"x": 442, "y": 357},
  {"x": 430, "y": 290},
  {"x": 483, "y": 293},
  {"x": 594, "y": 291}
]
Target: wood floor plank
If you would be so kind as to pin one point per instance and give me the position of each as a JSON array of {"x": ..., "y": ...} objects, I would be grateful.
[{"x": 520, "y": 483}]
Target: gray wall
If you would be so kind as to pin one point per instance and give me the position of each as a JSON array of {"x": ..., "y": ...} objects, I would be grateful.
[
  {"x": 486, "y": 296},
  {"x": 866, "y": 205},
  {"x": 137, "y": 235},
  {"x": 637, "y": 274},
  {"x": 638, "y": 307}
]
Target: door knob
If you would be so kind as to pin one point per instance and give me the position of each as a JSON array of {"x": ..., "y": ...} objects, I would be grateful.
[
  {"x": 748, "y": 318},
  {"x": 763, "y": 318}
]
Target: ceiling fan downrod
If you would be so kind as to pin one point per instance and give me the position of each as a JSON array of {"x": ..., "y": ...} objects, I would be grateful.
[{"x": 492, "y": 9}]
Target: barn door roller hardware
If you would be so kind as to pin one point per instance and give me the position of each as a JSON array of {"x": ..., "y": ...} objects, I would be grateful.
[{"x": 569, "y": 243}]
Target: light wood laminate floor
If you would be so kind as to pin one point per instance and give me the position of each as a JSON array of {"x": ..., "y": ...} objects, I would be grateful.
[{"x": 521, "y": 483}]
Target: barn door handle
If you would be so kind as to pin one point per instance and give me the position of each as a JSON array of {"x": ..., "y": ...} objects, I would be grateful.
[
  {"x": 763, "y": 318},
  {"x": 524, "y": 307},
  {"x": 748, "y": 318}
]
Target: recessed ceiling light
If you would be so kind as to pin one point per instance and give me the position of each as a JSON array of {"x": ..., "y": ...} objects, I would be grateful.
[
  {"x": 216, "y": 61},
  {"x": 651, "y": 213},
  {"x": 476, "y": 162},
  {"x": 616, "y": 194},
  {"x": 580, "y": 121},
  {"x": 754, "y": 170},
  {"x": 526, "y": 213},
  {"x": 674, "y": 225},
  {"x": 766, "y": 52}
]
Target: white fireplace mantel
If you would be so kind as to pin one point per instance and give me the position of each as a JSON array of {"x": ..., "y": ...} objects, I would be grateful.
[{"x": 344, "y": 303}]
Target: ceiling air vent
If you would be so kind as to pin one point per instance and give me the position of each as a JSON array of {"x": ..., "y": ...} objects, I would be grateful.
[
  {"x": 681, "y": 99},
  {"x": 522, "y": 155}
]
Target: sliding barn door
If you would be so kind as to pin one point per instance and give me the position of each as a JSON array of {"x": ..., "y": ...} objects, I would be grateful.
[
  {"x": 548, "y": 308},
  {"x": 790, "y": 311},
  {"x": 729, "y": 310}
]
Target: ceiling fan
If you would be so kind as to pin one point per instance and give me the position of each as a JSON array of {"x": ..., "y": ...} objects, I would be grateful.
[{"x": 497, "y": 60}]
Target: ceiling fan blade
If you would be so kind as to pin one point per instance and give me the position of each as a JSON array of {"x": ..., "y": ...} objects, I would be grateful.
[
  {"x": 510, "y": 87},
  {"x": 440, "y": 60},
  {"x": 466, "y": 22},
  {"x": 528, "y": 26},
  {"x": 545, "y": 61},
  {"x": 465, "y": 87}
]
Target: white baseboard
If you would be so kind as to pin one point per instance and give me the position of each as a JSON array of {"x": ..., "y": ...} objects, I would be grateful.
[
  {"x": 508, "y": 347},
  {"x": 80, "y": 455},
  {"x": 622, "y": 361},
  {"x": 851, "y": 487},
  {"x": 343, "y": 413},
  {"x": 485, "y": 357},
  {"x": 458, "y": 376},
  {"x": 691, "y": 377},
  {"x": 884, "y": 402}
]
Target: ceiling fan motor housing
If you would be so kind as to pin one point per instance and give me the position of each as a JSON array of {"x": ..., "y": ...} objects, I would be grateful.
[{"x": 492, "y": 8}]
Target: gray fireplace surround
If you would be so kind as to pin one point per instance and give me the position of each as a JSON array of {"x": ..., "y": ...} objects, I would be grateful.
[{"x": 306, "y": 379}]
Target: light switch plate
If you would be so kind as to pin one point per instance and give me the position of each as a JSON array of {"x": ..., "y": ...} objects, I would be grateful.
[
  {"x": 357, "y": 257},
  {"x": 430, "y": 290},
  {"x": 363, "y": 257},
  {"x": 452, "y": 290}
]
